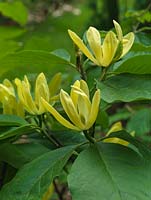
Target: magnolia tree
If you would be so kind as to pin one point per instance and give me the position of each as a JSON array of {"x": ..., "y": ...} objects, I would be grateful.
[{"x": 54, "y": 142}]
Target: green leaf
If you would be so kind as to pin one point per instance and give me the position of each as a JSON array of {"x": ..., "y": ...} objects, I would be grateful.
[
  {"x": 31, "y": 182},
  {"x": 12, "y": 120},
  {"x": 17, "y": 131},
  {"x": 62, "y": 53},
  {"x": 31, "y": 61},
  {"x": 140, "y": 47},
  {"x": 136, "y": 64},
  {"x": 126, "y": 87},
  {"x": 15, "y": 10},
  {"x": 7, "y": 32},
  {"x": 10, "y": 154},
  {"x": 110, "y": 171},
  {"x": 18, "y": 154},
  {"x": 69, "y": 137},
  {"x": 143, "y": 116},
  {"x": 8, "y": 47}
]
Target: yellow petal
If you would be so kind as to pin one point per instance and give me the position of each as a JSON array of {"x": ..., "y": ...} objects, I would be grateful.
[
  {"x": 84, "y": 87},
  {"x": 41, "y": 90},
  {"x": 9, "y": 85},
  {"x": 115, "y": 127},
  {"x": 74, "y": 95},
  {"x": 70, "y": 109},
  {"x": 94, "y": 40},
  {"x": 109, "y": 48},
  {"x": 128, "y": 41},
  {"x": 54, "y": 84},
  {"x": 84, "y": 109},
  {"x": 58, "y": 117},
  {"x": 23, "y": 90},
  {"x": 94, "y": 109},
  {"x": 116, "y": 141},
  {"x": 82, "y": 46},
  {"x": 118, "y": 30}
]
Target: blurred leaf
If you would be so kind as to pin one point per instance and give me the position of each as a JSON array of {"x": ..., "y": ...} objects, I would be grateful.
[
  {"x": 33, "y": 180},
  {"x": 10, "y": 32},
  {"x": 140, "y": 47},
  {"x": 15, "y": 10},
  {"x": 11, "y": 120},
  {"x": 115, "y": 172},
  {"x": 10, "y": 154},
  {"x": 32, "y": 61},
  {"x": 143, "y": 38},
  {"x": 103, "y": 119},
  {"x": 18, "y": 154},
  {"x": 126, "y": 87},
  {"x": 69, "y": 137},
  {"x": 62, "y": 53},
  {"x": 17, "y": 131},
  {"x": 136, "y": 64},
  {"x": 140, "y": 122},
  {"x": 8, "y": 46}
]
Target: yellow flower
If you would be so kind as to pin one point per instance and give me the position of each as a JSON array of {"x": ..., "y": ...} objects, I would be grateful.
[
  {"x": 35, "y": 106},
  {"x": 102, "y": 54},
  {"x": 127, "y": 40},
  {"x": 117, "y": 127},
  {"x": 78, "y": 107},
  {"x": 9, "y": 101}
]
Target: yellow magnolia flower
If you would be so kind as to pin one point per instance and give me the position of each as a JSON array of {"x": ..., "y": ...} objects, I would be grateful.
[
  {"x": 117, "y": 127},
  {"x": 102, "y": 54},
  {"x": 127, "y": 40},
  {"x": 35, "y": 106},
  {"x": 9, "y": 101},
  {"x": 78, "y": 107}
]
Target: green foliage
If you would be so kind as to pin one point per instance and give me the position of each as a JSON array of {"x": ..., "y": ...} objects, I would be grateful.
[
  {"x": 34, "y": 178},
  {"x": 111, "y": 171},
  {"x": 15, "y": 10},
  {"x": 126, "y": 88}
]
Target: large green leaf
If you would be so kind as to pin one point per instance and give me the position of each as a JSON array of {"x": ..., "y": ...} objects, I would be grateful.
[
  {"x": 32, "y": 61},
  {"x": 8, "y": 47},
  {"x": 110, "y": 171},
  {"x": 18, "y": 154},
  {"x": 140, "y": 122},
  {"x": 135, "y": 64},
  {"x": 15, "y": 10},
  {"x": 33, "y": 179},
  {"x": 9, "y": 32},
  {"x": 126, "y": 87}
]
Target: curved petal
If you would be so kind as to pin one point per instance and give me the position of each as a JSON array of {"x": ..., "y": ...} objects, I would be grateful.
[
  {"x": 94, "y": 109},
  {"x": 57, "y": 116},
  {"x": 94, "y": 40},
  {"x": 84, "y": 87},
  {"x": 41, "y": 90},
  {"x": 127, "y": 42},
  {"x": 74, "y": 95},
  {"x": 118, "y": 30},
  {"x": 9, "y": 85},
  {"x": 114, "y": 128},
  {"x": 54, "y": 84},
  {"x": 25, "y": 97},
  {"x": 109, "y": 48},
  {"x": 70, "y": 110},
  {"x": 76, "y": 39}
]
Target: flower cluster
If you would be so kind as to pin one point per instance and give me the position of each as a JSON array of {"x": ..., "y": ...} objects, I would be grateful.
[
  {"x": 81, "y": 111},
  {"x": 23, "y": 101},
  {"x": 103, "y": 54}
]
